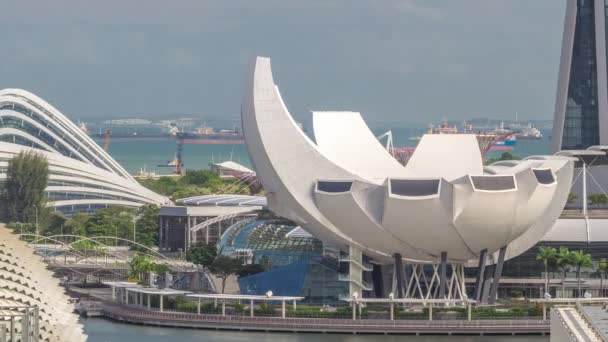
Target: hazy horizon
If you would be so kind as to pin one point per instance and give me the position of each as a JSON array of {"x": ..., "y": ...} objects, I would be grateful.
[{"x": 395, "y": 61}]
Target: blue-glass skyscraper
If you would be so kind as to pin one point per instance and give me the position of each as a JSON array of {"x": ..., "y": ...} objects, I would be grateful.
[{"x": 581, "y": 108}]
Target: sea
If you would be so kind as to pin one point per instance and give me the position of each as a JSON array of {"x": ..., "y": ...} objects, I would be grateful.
[
  {"x": 102, "y": 330},
  {"x": 135, "y": 155}
]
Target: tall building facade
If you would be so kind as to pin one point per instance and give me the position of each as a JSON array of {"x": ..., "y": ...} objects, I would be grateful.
[{"x": 581, "y": 108}]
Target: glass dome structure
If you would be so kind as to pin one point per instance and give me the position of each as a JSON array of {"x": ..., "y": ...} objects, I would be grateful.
[{"x": 273, "y": 242}]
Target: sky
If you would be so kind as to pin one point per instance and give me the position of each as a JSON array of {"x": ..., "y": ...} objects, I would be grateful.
[{"x": 394, "y": 61}]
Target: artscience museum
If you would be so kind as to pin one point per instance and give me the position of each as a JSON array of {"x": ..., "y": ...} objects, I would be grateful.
[{"x": 441, "y": 211}]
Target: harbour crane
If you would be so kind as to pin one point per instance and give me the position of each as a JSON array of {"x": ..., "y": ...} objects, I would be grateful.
[
  {"x": 106, "y": 140},
  {"x": 178, "y": 157}
]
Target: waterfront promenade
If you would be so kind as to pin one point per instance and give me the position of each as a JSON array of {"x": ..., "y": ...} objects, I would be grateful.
[{"x": 126, "y": 314}]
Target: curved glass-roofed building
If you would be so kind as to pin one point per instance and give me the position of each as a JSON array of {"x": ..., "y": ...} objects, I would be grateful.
[
  {"x": 274, "y": 242},
  {"x": 82, "y": 176},
  {"x": 298, "y": 264}
]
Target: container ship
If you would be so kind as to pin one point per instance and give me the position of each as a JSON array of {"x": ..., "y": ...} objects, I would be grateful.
[{"x": 206, "y": 135}]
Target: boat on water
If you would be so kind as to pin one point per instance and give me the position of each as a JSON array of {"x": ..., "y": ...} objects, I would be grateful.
[
  {"x": 501, "y": 139},
  {"x": 207, "y": 135},
  {"x": 169, "y": 163},
  {"x": 144, "y": 173},
  {"x": 529, "y": 133}
]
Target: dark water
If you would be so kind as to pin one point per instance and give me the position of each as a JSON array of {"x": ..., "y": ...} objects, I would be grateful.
[
  {"x": 101, "y": 330},
  {"x": 135, "y": 154}
]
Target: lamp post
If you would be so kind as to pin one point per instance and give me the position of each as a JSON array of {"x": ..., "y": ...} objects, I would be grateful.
[
  {"x": 36, "y": 209},
  {"x": 134, "y": 230}
]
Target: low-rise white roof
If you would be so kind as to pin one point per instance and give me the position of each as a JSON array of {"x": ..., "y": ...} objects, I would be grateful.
[
  {"x": 242, "y": 296},
  {"x": 224, "y": 201}
]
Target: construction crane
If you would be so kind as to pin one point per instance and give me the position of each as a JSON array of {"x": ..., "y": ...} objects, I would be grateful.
[
  {"x": 178, "y": 158},
  {"x": 389, "y": 140},
  {"x": 106, "y": 140}
]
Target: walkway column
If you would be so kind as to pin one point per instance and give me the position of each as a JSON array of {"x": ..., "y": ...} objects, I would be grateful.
[
  {"x": 251, "y": 308},
  {"x": 544, "y": 311},
  {"x": 294, "y": 305},
  {"x": 224, "y": 307},
  {"x": 126, "y": 296},
  {"x": 469, "y": 311},
  {"x": 161, "y": 303},
  {"x": 480, "y": 275},
  {"x": 443, "y": 274},
  {"x": 354, "y": 310},
  {"x": 497, "y": 274},
  {"x": 283, "y": 308},
  {"x": 113, "y": 293},
  {"x": 198, "y": 306},
  {"x": 392, "y": 311},
  {"x": 430, "y": 311},
  {"x": 398, "y": 262},
  {"x": 148, "y": 301}
]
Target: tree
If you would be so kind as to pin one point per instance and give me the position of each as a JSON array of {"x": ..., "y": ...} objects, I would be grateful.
[
  {"x": 580, "y": 259},
  {"x": 140, "y": 265},
  {"x": 113, "y": 221},
  {"x": 503, "y": 156},
  {"x": 603, "y": 269},
  {"x": 548, "y": 256},
  {"x": 147, "y": 226},
  {"x": 598, "y": 199},
  {"x": 56, "y": 224},
  {"x": 202, "y": 254},
  {"x": 563, "y": 263},
  {"x": 23, "y": 195},
  {"x": 201, "y": 178},
  {"x": 76, "y": 225},
  {"x": 223, "y": 267}
]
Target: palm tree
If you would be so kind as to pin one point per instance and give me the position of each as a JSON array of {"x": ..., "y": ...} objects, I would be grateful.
[
  {"x": 563, "y": 263},
  {"x": 140, "y": 265},
  {"x": 603, "y": 269},
  {"x": 580, "y": 259},
  {"x": 547, "y": 255}
]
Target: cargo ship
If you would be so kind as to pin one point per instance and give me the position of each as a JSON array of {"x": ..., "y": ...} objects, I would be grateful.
[
  {"x": 206, "y": 135},
  {"x": 137, "y": 135},
  {"x": 500, "y": 139}
]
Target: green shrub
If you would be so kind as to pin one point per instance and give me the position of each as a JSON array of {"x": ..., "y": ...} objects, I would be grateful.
[
  {"x": 264, "y": 309},
  {"x": 239, "y": 308}
]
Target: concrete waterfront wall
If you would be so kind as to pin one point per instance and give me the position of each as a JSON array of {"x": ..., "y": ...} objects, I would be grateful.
[{"x": 367, "y": 326}]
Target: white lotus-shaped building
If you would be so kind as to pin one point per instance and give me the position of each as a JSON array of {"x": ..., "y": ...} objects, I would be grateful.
[
  {"x": 82, "y": 176},
  {"x": 346, "y": 189}
]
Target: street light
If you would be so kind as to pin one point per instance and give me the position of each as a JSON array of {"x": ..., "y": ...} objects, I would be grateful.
[
  {"x": 134, "y": 221},
  {"x": 135, "y": 218},
  {"x": 37, "y": 230}
]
